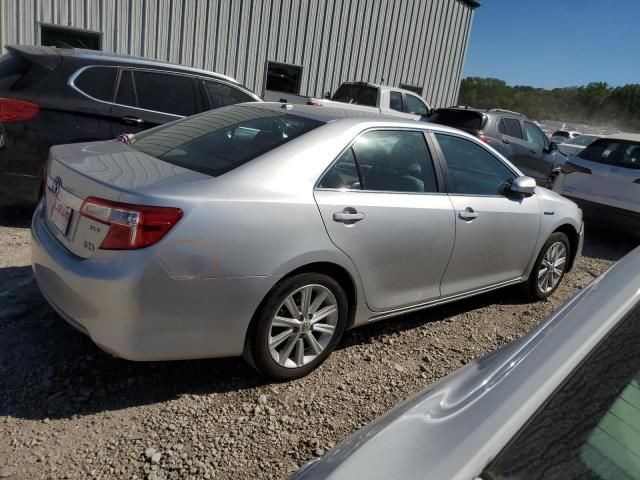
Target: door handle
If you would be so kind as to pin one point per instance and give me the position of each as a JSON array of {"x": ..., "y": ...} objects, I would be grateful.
[
  {"x": 132, "y": 120},
  {"x": 348, "y": 215},
  {"x": 468, "y": 214}
]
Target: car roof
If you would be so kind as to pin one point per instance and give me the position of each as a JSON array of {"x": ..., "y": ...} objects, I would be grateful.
[
  {"x": 120, "y": 58},
  {"x": 349, "y": 117},
  {"x": 633, "y": 137},
  {"x": 456, "y": 427}
]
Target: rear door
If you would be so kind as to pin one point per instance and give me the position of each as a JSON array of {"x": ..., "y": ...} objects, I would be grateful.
[
  {"x": 383, "y": 206},
  {"x": 146, "y": 98},
  {"x": 496, "y": 235},
  {"x": 624, "y": 178}
]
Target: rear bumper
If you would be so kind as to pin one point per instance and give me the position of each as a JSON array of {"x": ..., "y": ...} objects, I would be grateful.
[{"x": 132, "y": 308}]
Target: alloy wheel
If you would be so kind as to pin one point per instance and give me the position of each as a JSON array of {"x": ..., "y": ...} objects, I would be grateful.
[
  {"x": 303, "y": 326},
  {"x": 552, "y": 267}
]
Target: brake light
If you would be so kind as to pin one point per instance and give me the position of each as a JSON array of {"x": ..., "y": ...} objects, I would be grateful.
[
  {"x": 12, "y": 110},
  {"x": 130, "y": 226},
  {"x": 484, "y": 138}
]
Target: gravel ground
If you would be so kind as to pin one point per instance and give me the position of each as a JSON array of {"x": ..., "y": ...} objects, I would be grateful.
[{"x": 68, "y": 410}]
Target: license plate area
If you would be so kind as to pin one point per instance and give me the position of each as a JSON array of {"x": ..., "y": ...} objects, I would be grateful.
[{"x": 60, "y": 216}]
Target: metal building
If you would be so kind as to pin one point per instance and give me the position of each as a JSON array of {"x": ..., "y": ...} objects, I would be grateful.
[{"x": 305, "y": 47}]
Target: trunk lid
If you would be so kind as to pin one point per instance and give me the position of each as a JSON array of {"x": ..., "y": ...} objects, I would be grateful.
[{"x": 109, "y": 170}]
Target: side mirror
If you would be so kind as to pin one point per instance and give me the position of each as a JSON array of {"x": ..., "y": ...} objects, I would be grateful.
[
  {"x": 552, "y": 146},
  {"x": 327, "y": 95},
  {"x": 523, "y": 186}
]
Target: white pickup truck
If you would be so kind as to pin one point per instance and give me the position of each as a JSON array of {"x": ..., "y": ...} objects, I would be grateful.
[{"x": 376, "y": 98}]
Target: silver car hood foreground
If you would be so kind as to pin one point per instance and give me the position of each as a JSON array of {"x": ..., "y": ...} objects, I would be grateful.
[{"x": 456, "y": 427}]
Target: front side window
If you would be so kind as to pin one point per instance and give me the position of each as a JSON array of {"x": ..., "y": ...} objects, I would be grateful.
[
  {"x": 534, "y": 134},
  {"x": 511, "y": 127},
  {"x": 590, "y": 427},
  {"x": 97, "y": 82},
  {"x": 395, "y": 101},
  {"x": 218, "y": 141},
  {"x": 395, "y": 161},
  {"x": 220, "y": 94},
  {"x": 621, "y": 153},
  {"x": 472, "y": 169},
  {"x": 165, "y": 93},
  {"x": 416, "y": 106}
]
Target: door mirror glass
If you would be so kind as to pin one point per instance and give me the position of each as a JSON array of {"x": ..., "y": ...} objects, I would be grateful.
[
  {"x": 524, "y": 186},
  {"x": 553, "y": 146}
]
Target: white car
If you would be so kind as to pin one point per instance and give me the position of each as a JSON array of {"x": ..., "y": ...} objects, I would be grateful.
[
  {"x": 604, "y": 179},
  {"x": 560, "y": 136},
  {"x": 575, "y": 146}
]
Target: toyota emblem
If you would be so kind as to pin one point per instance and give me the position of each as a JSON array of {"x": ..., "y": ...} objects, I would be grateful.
[{"x": 57, "y": 184}]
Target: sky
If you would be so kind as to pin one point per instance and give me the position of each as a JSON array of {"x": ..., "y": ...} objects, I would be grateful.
[{"x": 556, "y": 43}]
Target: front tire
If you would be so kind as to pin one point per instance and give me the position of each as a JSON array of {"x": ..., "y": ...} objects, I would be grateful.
[
  {"x": 550, "y": 267},
  {"x": 297, "y": 326}
]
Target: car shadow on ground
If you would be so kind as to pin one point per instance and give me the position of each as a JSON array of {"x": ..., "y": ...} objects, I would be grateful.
[
  {"x": 50, "y": 370},
  {"x": 15, "y": 217}
]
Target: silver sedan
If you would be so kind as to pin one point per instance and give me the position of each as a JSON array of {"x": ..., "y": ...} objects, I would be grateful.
[{"x": 268, "y": 230}]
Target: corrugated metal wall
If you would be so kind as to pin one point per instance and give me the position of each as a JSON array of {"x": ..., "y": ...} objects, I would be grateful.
[{"x": 416, "y": 42}]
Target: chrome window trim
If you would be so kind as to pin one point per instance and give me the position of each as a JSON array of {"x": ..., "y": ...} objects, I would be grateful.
[
  {"x": 423, "y": 131},
  {"x": 77, "y": 73}
]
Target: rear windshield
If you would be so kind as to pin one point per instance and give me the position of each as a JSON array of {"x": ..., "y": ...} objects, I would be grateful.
[
  {"x": 220, "y": 140},
  {"x": 464, "y": 119},
  {"x": 356, "y": 94},
  {"x": 622, "y": 153},
  {"x": 12, "y": 68}
]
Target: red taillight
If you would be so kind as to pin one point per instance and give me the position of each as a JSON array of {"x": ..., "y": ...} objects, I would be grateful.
[
  {"x": 12, "y": 110},
  {"x": 130, "y": 226},
  {"x": 484, "y": 138}
]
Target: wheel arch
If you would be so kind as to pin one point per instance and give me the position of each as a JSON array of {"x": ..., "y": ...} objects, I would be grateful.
[{"x": 574, "y": 240}]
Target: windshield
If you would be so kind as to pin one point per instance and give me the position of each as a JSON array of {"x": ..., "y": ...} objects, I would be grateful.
[
  {"x": 464, "y": 119},
  {"x": 220, "y": 140},
  {"x": 623, "y": 153},
  {"x": 356, "y": 94}
]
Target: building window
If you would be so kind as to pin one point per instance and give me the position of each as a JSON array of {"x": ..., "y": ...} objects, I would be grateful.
[
  {"x": 63, "y": 37},
  {"x": 282, "y": 77},
  {"x": 412, "y": 88}
]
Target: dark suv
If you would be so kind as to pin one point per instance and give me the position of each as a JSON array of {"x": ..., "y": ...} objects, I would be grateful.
[
  {"x": 512, "y": 134},
  {"x": 51, "y": 96}
]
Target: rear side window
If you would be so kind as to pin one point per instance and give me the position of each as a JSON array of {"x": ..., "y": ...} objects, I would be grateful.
[
  {"x": 165, "y": 93},
  {"x": 511, "y": 127},
  {"x": 395, "y": 101},
  {"x": 126, "y": 93},
  {"x": 343, "y": 174},
  {"x": 218, "y": 141},
  {"x": 590, "y": 427},
  {"x": 472, "y": 170},
  {"x": 395, "y": 161},
  {"x": 12, "y": 67},
  {"x": 415, "y": 106},
  {"x": 463, "y": 119},
  {"x": 356, "y": 94},
  {"x": 621, "y": 153},
  {"x": 220, "y": 94},
  {"x": 97, "y": 82}
]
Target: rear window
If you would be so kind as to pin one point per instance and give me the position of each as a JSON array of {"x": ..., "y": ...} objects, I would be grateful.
[
  {"x": 622, "y": 153},
  {"x": 464, "y": 119},
  {"x": 218, "y": 141},
  {"x": 356, "y": 94},
  {"x": 12, "y": 68}
]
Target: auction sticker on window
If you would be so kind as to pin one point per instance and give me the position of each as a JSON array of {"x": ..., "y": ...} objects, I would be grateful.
[{"x": 60, "y": 215}]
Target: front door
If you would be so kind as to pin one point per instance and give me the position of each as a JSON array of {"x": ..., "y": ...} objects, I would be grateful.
[
  {"x": 496, "y": 234},
  {"x": 382, "y": 206},
  {"x": 538, "y": 162}
]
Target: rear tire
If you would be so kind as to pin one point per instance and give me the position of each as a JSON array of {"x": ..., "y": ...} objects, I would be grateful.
[
  {"x": 550, "y": 267},
  {"x": 297, "y": 326}
]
